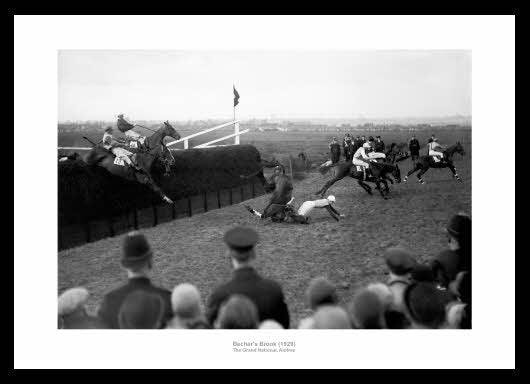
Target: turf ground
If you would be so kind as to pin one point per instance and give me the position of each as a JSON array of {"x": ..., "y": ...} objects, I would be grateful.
[{"x": 349, "y": 252}]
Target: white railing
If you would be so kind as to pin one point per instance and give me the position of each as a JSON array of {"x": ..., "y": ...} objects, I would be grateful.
[{"x": 237, "y": 133}]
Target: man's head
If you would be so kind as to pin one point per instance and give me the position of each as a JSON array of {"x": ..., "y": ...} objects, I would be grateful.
[
  {"x": 238, "y": 312},
  {"x": 321, "y": 291},
  {"x": 399, "y": 261},
  {"x": 241, "y": 241},
  {"x": 459, "y": 231},
  {"x": 378, "y": 138},
  {"x": 72, "y": 301},
  {"x": 137, "y": 254},
  {"x": 413, "y": 137},
  {"x": 426, "y": 304},
  {"x": 186, "y": 301},
  {"x": 367, "y": 310},
  {"x": 367, "y": 147},
  {"x": 331, "y": 317}
]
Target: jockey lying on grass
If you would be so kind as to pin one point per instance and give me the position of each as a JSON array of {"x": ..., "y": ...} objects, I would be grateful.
[
  {"x": 302, "y": 216},
  {"x": 114, "y": 146}
]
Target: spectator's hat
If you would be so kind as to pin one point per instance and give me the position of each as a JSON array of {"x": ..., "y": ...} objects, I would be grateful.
[
  {"x": 367, "y": 310},
  {"x": 141, "y": 310},
  {"x": 71, "y": 300},
  {"x": 186, "y": 301},
  {"x": 331, "y": 198},
  {"x": 426, "y": 304},
  {"x": 321, "y": 291},
  {"x": 331, "y": 317},
  {"x": 399, "y": 260},
  {"x": 459, "y": 224},
  {"x": 136, "y": 249},
  {"x": 241, "y": 238},
  {"x": 108, "y": 129}
]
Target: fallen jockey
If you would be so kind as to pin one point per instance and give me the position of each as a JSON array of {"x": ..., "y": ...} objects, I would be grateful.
[
  {"x": 114, "y": 146},
  {"x": 304, "y": 212}
]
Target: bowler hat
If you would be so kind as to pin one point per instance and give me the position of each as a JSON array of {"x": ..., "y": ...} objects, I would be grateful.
[
  {"x": 459, "y": 225},
  {"x": 241, "y": 238},
  {"x": 135, "y": 249},
  {"x": 399, "y": 260},
  {"x": 141, "y": 310}
]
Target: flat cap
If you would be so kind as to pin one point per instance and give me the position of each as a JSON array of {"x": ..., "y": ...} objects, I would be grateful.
[
  {"x": 399, "y": 260},
  {"x": 241, "y": 238},
  {"x": 71, "y": 300}
]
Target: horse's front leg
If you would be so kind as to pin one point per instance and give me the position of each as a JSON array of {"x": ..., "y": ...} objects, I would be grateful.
[
  {"x": 387, "y": 189},
  {"x": 365, "y": 186},
  {"x": 416, "y": 167},
  {"x": 455, "y": 174},
  {"x": 326, "y": 187}
]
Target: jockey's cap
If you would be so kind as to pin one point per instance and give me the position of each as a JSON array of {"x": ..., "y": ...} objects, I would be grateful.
[{"x": 331, "y": 198}]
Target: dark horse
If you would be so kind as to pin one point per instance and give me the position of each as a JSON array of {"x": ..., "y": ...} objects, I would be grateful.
[
  {"x": 425, "y": 162},
  {"x": 155, "y": 150},
  {"x": 281, "y": 187},
  {"x": 377, "y": 173},
  {"x": 396, "y": 153}
]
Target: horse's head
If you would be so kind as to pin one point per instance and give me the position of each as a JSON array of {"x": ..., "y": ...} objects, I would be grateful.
[
  {"x": 460, "y": 149},
  {"x": 170, "y": 131}
]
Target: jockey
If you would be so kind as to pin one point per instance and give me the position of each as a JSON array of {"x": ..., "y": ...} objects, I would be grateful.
[
  {"x": 127, "y": 128},
  {"x": 361, "y": 157},
  {"x": 436, "y": 154},
  {"x": 114, "y": 146},
  {"x": 308, "y": 206}
]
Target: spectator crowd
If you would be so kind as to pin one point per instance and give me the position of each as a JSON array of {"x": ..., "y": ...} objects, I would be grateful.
[{"x": 433, "y": 295}]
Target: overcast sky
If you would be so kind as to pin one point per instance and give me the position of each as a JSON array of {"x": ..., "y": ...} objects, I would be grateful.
[{"x": 176, "y": 85}]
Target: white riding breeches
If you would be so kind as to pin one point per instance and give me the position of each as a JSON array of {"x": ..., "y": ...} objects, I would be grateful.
[
  {"x": 121, "y": 152},
  {"x": 436, "y": 153},
  {"x": 360, "y": 162}
]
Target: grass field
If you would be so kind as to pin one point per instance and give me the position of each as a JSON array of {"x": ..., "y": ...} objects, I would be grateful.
[{"x": 349, "y": 252}]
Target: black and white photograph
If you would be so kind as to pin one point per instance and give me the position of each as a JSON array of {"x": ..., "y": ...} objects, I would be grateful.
[{"x": 235, "y": 191}]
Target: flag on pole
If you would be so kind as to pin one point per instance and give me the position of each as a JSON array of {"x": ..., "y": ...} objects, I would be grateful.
[{"x": 236, "y": 97}]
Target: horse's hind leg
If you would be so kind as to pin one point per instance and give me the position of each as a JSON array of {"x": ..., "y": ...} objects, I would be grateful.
[
  {"x": 145, "y": 178},
  {"x": 378, "y": 183},
  {"x": 420, "y": 174}
]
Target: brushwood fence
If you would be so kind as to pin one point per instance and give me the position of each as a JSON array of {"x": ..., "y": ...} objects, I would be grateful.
[{"x": 77, "y": 234}]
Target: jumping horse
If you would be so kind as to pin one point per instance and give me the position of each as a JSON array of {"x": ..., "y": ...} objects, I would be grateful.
[{"x": 154, "y": 149}]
